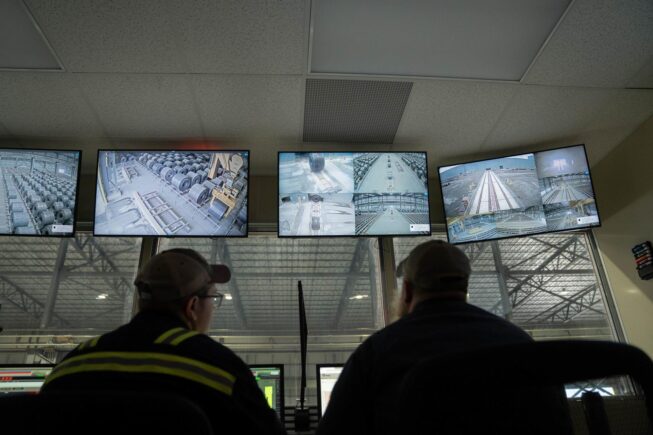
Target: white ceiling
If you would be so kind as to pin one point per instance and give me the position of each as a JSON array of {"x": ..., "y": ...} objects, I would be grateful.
[{"x": 153, "y": 72}]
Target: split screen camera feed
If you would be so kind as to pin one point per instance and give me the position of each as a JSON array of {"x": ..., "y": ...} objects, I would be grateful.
[
  {"x": 172, "y": 193},
  {"x": 519, "y": 195},
  {"x": 353, "y": 194},
  {"x": 38, "y": 191}
]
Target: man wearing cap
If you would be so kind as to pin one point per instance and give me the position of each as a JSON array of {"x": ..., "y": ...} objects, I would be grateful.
[
  {"x": 165, "y": 349},
  {"x": 435, "y": 319}
]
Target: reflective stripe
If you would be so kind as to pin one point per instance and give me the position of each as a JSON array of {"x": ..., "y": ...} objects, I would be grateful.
[
  {"x": 175, "y": 336},
  {"x": 168, "y": 333},
  {"x": 183, "y": 337},
  {"x": 147, "y": 362},
  {"x": 89, "y": 343}
]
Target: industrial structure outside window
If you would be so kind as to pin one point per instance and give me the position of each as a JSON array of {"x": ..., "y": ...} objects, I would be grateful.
[{"x": 56, "y": 293}]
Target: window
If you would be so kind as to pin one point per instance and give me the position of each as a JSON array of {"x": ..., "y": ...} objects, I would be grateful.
[
  {"x": 259, "y": 319},
  {"x": 57, "y": 292},
  {"x": 546, "y": 284}
]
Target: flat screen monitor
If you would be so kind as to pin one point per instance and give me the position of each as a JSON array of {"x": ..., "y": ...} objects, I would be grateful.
[
  {"x": 38, "y": 192},
  {"x": 327, "y": 375},
  {"x": 519, "y": 195},
  {"x": 22, "y": 379},
  {"x": 172, "y": 193},
  {"x": 270, "y": 380},
  {"x": 353, "y": 194}
]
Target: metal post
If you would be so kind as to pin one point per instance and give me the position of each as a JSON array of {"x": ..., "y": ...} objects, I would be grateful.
[
  {"x": 389, "y": 280},
  {"x": 501, "y": 275},
  {"x": 54, "y": 284},
  {"x": 149, "y": 247},
  {"x": 374, "y": 287}
]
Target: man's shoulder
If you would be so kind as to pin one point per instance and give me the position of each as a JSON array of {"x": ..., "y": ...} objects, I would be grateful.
[{"x": 204, "y": 347}]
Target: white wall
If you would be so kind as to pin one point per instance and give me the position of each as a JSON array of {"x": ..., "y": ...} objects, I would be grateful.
[{"x": 623, "y": 181}]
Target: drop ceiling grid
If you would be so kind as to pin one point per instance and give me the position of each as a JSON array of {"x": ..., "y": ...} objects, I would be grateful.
[
  {"x": 537, "y": 111},
  {"x": 451, "y": 116},
  {"x": 153, "y": 36},
  {"x": 599, "y": 43},
  {"x": 249, "y": 108},
  {"x": 45, "y": 105},
  {"x": 142, "y": 106}
]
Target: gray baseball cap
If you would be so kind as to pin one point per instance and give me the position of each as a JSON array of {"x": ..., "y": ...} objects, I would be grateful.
[
  {"x": 436, "y": 265},
  {"x": 178, "y": 273}
]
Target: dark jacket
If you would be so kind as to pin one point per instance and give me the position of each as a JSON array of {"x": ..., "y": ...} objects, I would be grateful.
[
  {"x": 363, "y": 399},
  {"x": 156, "y": 353}
]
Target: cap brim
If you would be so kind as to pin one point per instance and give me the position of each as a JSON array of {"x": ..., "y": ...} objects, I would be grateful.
[{"x": 220, "y": 273}]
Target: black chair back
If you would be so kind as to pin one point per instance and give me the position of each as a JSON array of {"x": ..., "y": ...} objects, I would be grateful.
[
  {"x": 515, "y": 389},
  {"x": 102, "y": 412}
]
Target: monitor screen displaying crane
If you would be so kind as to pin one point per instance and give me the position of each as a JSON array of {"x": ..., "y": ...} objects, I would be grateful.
[{"x": 180, "y": 193}]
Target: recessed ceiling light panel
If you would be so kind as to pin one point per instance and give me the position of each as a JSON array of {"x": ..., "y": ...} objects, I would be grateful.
[
  {"x": 22, "y": 45},
  {"x": 473, "y": 39}
]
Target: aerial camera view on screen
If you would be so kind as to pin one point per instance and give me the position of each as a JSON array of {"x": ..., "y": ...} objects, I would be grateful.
[
  {"x": 353, "y": 194},
  {"x": 518, "y": 195},
  {"x": 38, "y": 191},
  {"x": 172, "y": 193}
]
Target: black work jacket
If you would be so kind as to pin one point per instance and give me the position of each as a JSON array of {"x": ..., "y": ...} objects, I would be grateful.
[
  {"x": 363, "y": 399},
  {"x": 156, "y": 353}
]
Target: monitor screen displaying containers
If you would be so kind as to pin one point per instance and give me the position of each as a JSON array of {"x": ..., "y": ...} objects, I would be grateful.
[
  {"x": 518, "y": 195},
  {"x": 38, "y": 192},
  {"x": 180, "y": 193},
  {"x": 353, "y": 194}
]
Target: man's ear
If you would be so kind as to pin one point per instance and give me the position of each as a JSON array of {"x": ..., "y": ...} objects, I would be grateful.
[{"x": 190, "y": 309}]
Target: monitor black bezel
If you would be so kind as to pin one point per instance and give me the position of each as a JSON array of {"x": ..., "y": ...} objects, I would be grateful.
[
  {"x": 319, "y": 386},
  {"x": 97, "y": 167},
  {"x": 281, "y": 384},
  {"x": 584, "y": 228},
  {"x": 354, "y": 236},
  {"x": 79, "y": 176}
]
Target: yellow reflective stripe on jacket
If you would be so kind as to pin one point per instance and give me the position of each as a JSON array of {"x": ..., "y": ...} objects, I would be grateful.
[
  {"x": 183, "y": 337},
  {"x": 167, "y": 334},
  {"x": 89, "y": 343},
  {"x": 147, "y": 362},
  {"x": 175, "y": 336}
]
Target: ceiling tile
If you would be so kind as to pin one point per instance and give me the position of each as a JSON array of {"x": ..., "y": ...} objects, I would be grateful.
[
  {"x": 21, "y": 43},
  {"x": 437, "y": 38},
  {"x": 45, "y": 105},
  {"x": 255, "y": 37},
  {"x": 142, "y": 105},
  {"x": 200, "y": 36},
  {"x": 250, "y": 108},
  {"x": 451, "y": 118},
  {"x": 599, "y": 43},
  {"x": 541, "y": 113}
]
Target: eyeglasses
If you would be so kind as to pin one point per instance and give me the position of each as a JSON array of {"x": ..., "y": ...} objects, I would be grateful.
[{"x": 217, "y": 298}]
